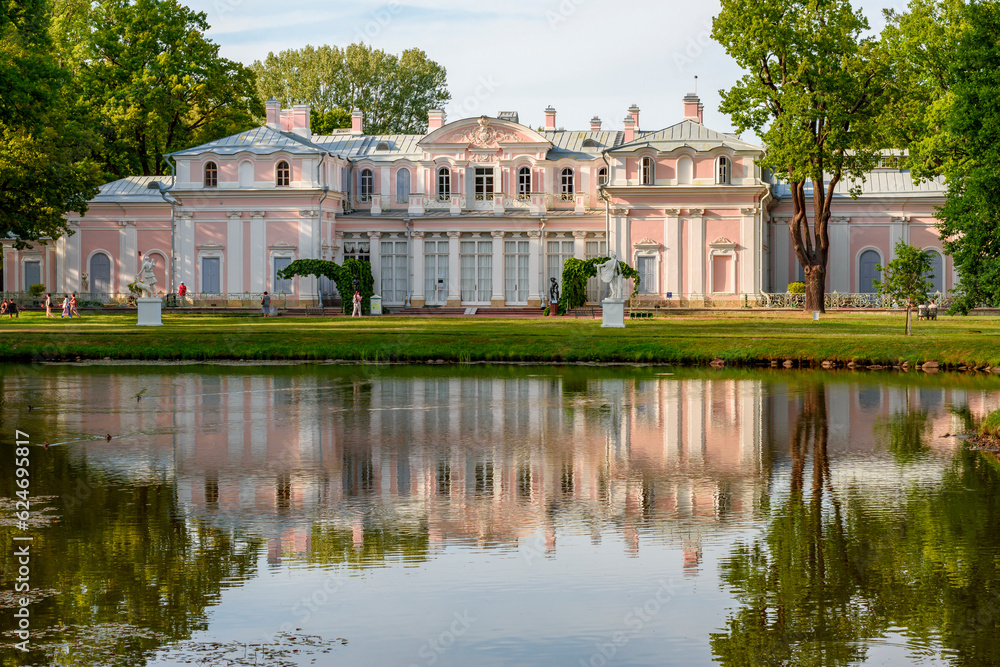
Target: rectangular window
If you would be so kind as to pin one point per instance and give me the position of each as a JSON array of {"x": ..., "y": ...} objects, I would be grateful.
[
  {"x": 476, "y": 263},
  {"x": 484, "y": 184},
  {"x": 359, "y": 250},
  {"x": 515, "y": 271},
  {"x": 394, "y": 271},
  {"x": 32, "y": 274},
  {"x": 646, "y": 266},
  {"x": 281, "y": 286},
  {"x": 557, "y": 252},
  {"x": 436, "y": 272},
  {"x": 210, "y": 275},
  {"x": 595, "y": 249}
]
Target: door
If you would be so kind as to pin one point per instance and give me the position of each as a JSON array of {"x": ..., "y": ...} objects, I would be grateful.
[
  {"x": 210, "y": 275},
  {"x": 515, "y": 272},
  {"x": 436, "y": 273},
  {"x": 394, "y": 271},
  {"x": 100, "y": 273},
  {"x": 869, "y": 262},
  {"x": 477, "y": 271},
  {"x": 281, "y": 286},
  {"x": 32, "y": 274},
  {"x": 936, "y": 274}
]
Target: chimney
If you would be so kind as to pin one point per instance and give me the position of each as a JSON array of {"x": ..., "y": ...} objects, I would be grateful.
[
  {"x": 634, "y": 112},
  {"x": 595, "y": 124},
  {"x": 357, "y": 122},
  {"x": 629, "y": 129},
  {"x": 301, "y": 121},
  {"x": 550, "y": 118},
  {"x": 273, "y": 108},
  {"x": 435, "y": 119},
  {"x": 693, "y": 108}
]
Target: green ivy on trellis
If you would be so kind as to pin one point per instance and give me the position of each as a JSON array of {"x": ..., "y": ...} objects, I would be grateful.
[
  {"x": 342, "y": 275},
  {"x": 576, "y": 272}
]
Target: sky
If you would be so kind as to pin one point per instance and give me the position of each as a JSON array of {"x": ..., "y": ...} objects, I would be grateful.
[{"x": 583, "y": 57}]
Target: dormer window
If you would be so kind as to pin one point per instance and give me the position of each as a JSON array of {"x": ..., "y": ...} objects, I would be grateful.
[
  {"x": 366, "y": 185},
  {"x": 444, "y": 184},
  {"x": 524, "y": 183},
  {"x": 723, "y": 171},
  {"x": 382, "y": 146},
  {"x": 282, "y": 175},
  {"x": 211, "y": 175},
  {"x": 602, "y": 176},
  {"x": 648, "y": 174},
  {"x": 589, "y": 143},
  {"x": 566, "y": 183}
]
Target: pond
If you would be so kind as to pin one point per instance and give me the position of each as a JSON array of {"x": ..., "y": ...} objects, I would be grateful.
[{"x": 476, "y": 515}]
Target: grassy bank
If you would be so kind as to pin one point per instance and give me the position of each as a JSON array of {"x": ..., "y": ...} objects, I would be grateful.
[{"x": 737, "y": 338}]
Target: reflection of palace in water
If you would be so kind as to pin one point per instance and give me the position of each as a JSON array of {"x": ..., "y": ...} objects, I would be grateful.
[{"x": 480, "y": 460}]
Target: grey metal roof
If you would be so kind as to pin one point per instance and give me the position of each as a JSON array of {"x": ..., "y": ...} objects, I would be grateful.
[
  {"x": 132, "y": 189},
  {"x": 569, "y": 143},
  {"x": 688, "y": 133},
  {"x": 261, "y": 140},
  {"x": 881, "y": 182},
  {"x": 365, "y": 146}
]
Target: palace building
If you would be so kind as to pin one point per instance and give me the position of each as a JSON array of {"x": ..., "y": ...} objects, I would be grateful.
[{"x": 477, "y": 212}]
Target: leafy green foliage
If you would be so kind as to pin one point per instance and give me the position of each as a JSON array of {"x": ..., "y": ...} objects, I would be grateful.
[
  {"x": 325, "y": 122},
  {"x": 394, "y": 92},
  {"x": 576, "y": 273},
  {"x": 904, "y": 279},
  {"x": 970, "y": 217},
  {"x": 151, "y": 81},
  {"x": 797, "y": 287},
  {"x": 45, "y": 153},
  {"x": 814, "y": 94},
  {"x": 343, "y": 275}
]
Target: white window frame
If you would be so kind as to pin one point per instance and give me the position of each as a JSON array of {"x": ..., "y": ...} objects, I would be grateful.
[
  {"x": 567, "y": 186},
  {"x": 443, "y": 178},
  {"x": 211, "y": 250},
  {"x": 647, "y": 171},
  {"x": 649, "y": 249},
  {"x": 366, "y": 190},
  {"x": 523, "y": 187},
  {"x": 857, "y": 265},
  {"x": 403, "y": 197},
  {"x": 944, "y": 269},
  {"x": 277, "y": 174},
  {"x": 602, "y": 176},
  {"x": 725, "y": 248},
  {"x": 279, "y": 252},
  {"x": 723, "y": 170},
  {"x": 215, "y": 169},
  {"x": 32, "y": 258},
  {"x": 90, "y": 276}
]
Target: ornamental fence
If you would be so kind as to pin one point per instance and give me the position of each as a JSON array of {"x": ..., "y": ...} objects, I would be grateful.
[{"x": 127, "y": 299}]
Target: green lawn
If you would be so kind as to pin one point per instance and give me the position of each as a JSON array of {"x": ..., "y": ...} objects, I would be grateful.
[{"x": 738, "y": 338}]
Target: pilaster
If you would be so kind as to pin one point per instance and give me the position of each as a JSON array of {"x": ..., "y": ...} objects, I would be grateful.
[
  {"x": 127, "y": 252},
  {"x": 580, "y": 244},
  {"x": 696, "y": 238},
  {"x": 234, "y": 252},
  {"x": 534, "y": 264},
  {"x": 258, "y": 252},
  {"x": 375, "y": 253},
  {"x": 417, "y": 298},
  {"x": 673, "y": 263},
  {"x": 749, "y": 251},
  {"x": 454, "y": 270},
  {"x": 497, "y": 298},
  {"x": 841, "y": 267}
]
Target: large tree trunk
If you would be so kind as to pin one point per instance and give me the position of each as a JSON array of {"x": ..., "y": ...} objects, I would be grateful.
[
  {"x": 815, "y": 288},
  {"x": 812, "y": 245}
]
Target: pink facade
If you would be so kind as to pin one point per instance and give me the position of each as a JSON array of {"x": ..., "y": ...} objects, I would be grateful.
[{"x": 479, "y": 211}]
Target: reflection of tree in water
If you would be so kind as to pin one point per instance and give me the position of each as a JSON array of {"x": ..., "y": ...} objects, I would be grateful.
[
  {"x": 831, "y": 573},
  {"x": 904, "y": 433},
  {"x": 122, "y": 556}
]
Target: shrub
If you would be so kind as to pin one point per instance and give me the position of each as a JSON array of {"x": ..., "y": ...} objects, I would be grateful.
[
  {"x": 798, "y": 287},
  {"x": 37, "y": 290}
]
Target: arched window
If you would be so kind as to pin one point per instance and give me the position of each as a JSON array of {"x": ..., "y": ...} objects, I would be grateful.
[
  {"x": 723, "y": 171},
  {"x": 403, "y": 186},
  {"x": 211, "y": 175},
  {"x": 246, "y": 174},
  {"x": 685, "y": 170},
  {"x": 282, "y": 175},
  {"x": 366, "y": 185},
  {"x": 524, "y": 183},
  {"x": 936, "y": 274},
  {"x": 566, "y": 184},
  {"x": 868, "y": 272},
  {"x": 602, "y": 176},
  {"x": 100, "y": 273},
  {"x": 648, "y": 174},
  {"x": 444, "y": 184}
]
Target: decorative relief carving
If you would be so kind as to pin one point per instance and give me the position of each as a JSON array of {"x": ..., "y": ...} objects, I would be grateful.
[
  {"x": 308, "y": 213},
  {"x": 487, "y": 135},
  {"x": 534, "y": 233},
  {"x": 374, "y": 235},
  {"x": 749, "y": 211},
  {"x": 671, "y": 212},
  {"x": 484, "y": 157},
  {"x": 126, "y": 223},
  {"x": 498, "y": 233},
  {"x": 417, "y": 233},
  {"x": 234, "y": 215},
  {"x": 900, "y": 219},
  {"x": 257, "y": 214},
  {"x": 840, "y": 220},
  {"x": 454, "y": 234},
  {"x": 580, "y": 234},
  {"x": 696, "y": 212}
]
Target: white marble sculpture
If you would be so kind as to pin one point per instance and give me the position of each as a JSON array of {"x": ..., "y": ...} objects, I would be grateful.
[
  {"x": 146, "y": 280},
  {"x": 611, "y": 273}
]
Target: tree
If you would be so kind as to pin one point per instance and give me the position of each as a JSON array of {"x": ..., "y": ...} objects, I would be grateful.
[
  {"x": 970, "y": 217},
  {"x": 344, "y": 276},
  {"x": 394, "y": 92},
  {"x": 814, "y": 94},
  {"x": 45, "y": 154},
  {"x": 152, "y": 81},
  {"x": 905, "y": 278}
]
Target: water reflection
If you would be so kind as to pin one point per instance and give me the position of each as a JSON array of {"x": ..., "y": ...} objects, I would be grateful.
[{"x": 819, "y": 511}]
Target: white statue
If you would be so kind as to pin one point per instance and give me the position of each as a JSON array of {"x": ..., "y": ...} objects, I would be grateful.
[
  {"x": 146, "y": 280},
  {"x": 611, "y": 273}
]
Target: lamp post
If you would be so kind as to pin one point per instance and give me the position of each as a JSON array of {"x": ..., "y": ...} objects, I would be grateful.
[{"x": 170, "y": 199}]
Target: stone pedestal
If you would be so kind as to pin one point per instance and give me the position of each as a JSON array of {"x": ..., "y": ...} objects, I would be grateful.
[
  {"x": 149, "y": 311},
  {"x": 614, "y": 313}
]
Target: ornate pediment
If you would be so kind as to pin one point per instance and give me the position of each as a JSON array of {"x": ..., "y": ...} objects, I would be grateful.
[
  {"x": 283, "y": 245},
  {"x": 484, "y": 132},
  {"x": 722, "y": 243},
  {"x": 486, "y": 135},
  {"x": 647, "y": 244}
]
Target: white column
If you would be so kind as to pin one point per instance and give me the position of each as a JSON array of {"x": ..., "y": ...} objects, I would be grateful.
[
  {"x": 899, "y": 230},
  {"x": 780, "y": 253},
  {"x": 73, "y": 259},
  {"x": 234, "y": 252},
  {"x": 375, "y": 253},
  {"x": 127, "y": 251},
  {"x": 454, "y": 270},
  {"x": 497, "y": 298},
  {"x": 580, "y": 244},
  {"x": 696, "y": 239},
  {"x": 258, "y": 252},
  {"x": 185, "y": 248},
  {"x": 841, "y": 267},
  {"x": 672, "y": 240},
  {"x": 60, "y": 285},
  {"x": 619, "y": 241},
  {"x": 338, "y": 247},
  {"x": 747, "y": 253},
  {"x": 534, "y": 263},
  {"x": 308, "y": 248},
  {"x": 417, "y": 298}
]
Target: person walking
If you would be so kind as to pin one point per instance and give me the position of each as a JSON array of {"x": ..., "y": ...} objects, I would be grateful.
[
  {"x": 12, "y": 310},
  {"x": 182, "y": 291},
  {"x": 66, "y": 312},
  {"x": 48, "y": 305},
  {"x": 3, "y": 307},
  {"x": 357, "y": 305},
  {"x": 73, "y": 310},
  {"x": 265, "y": 305}
]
